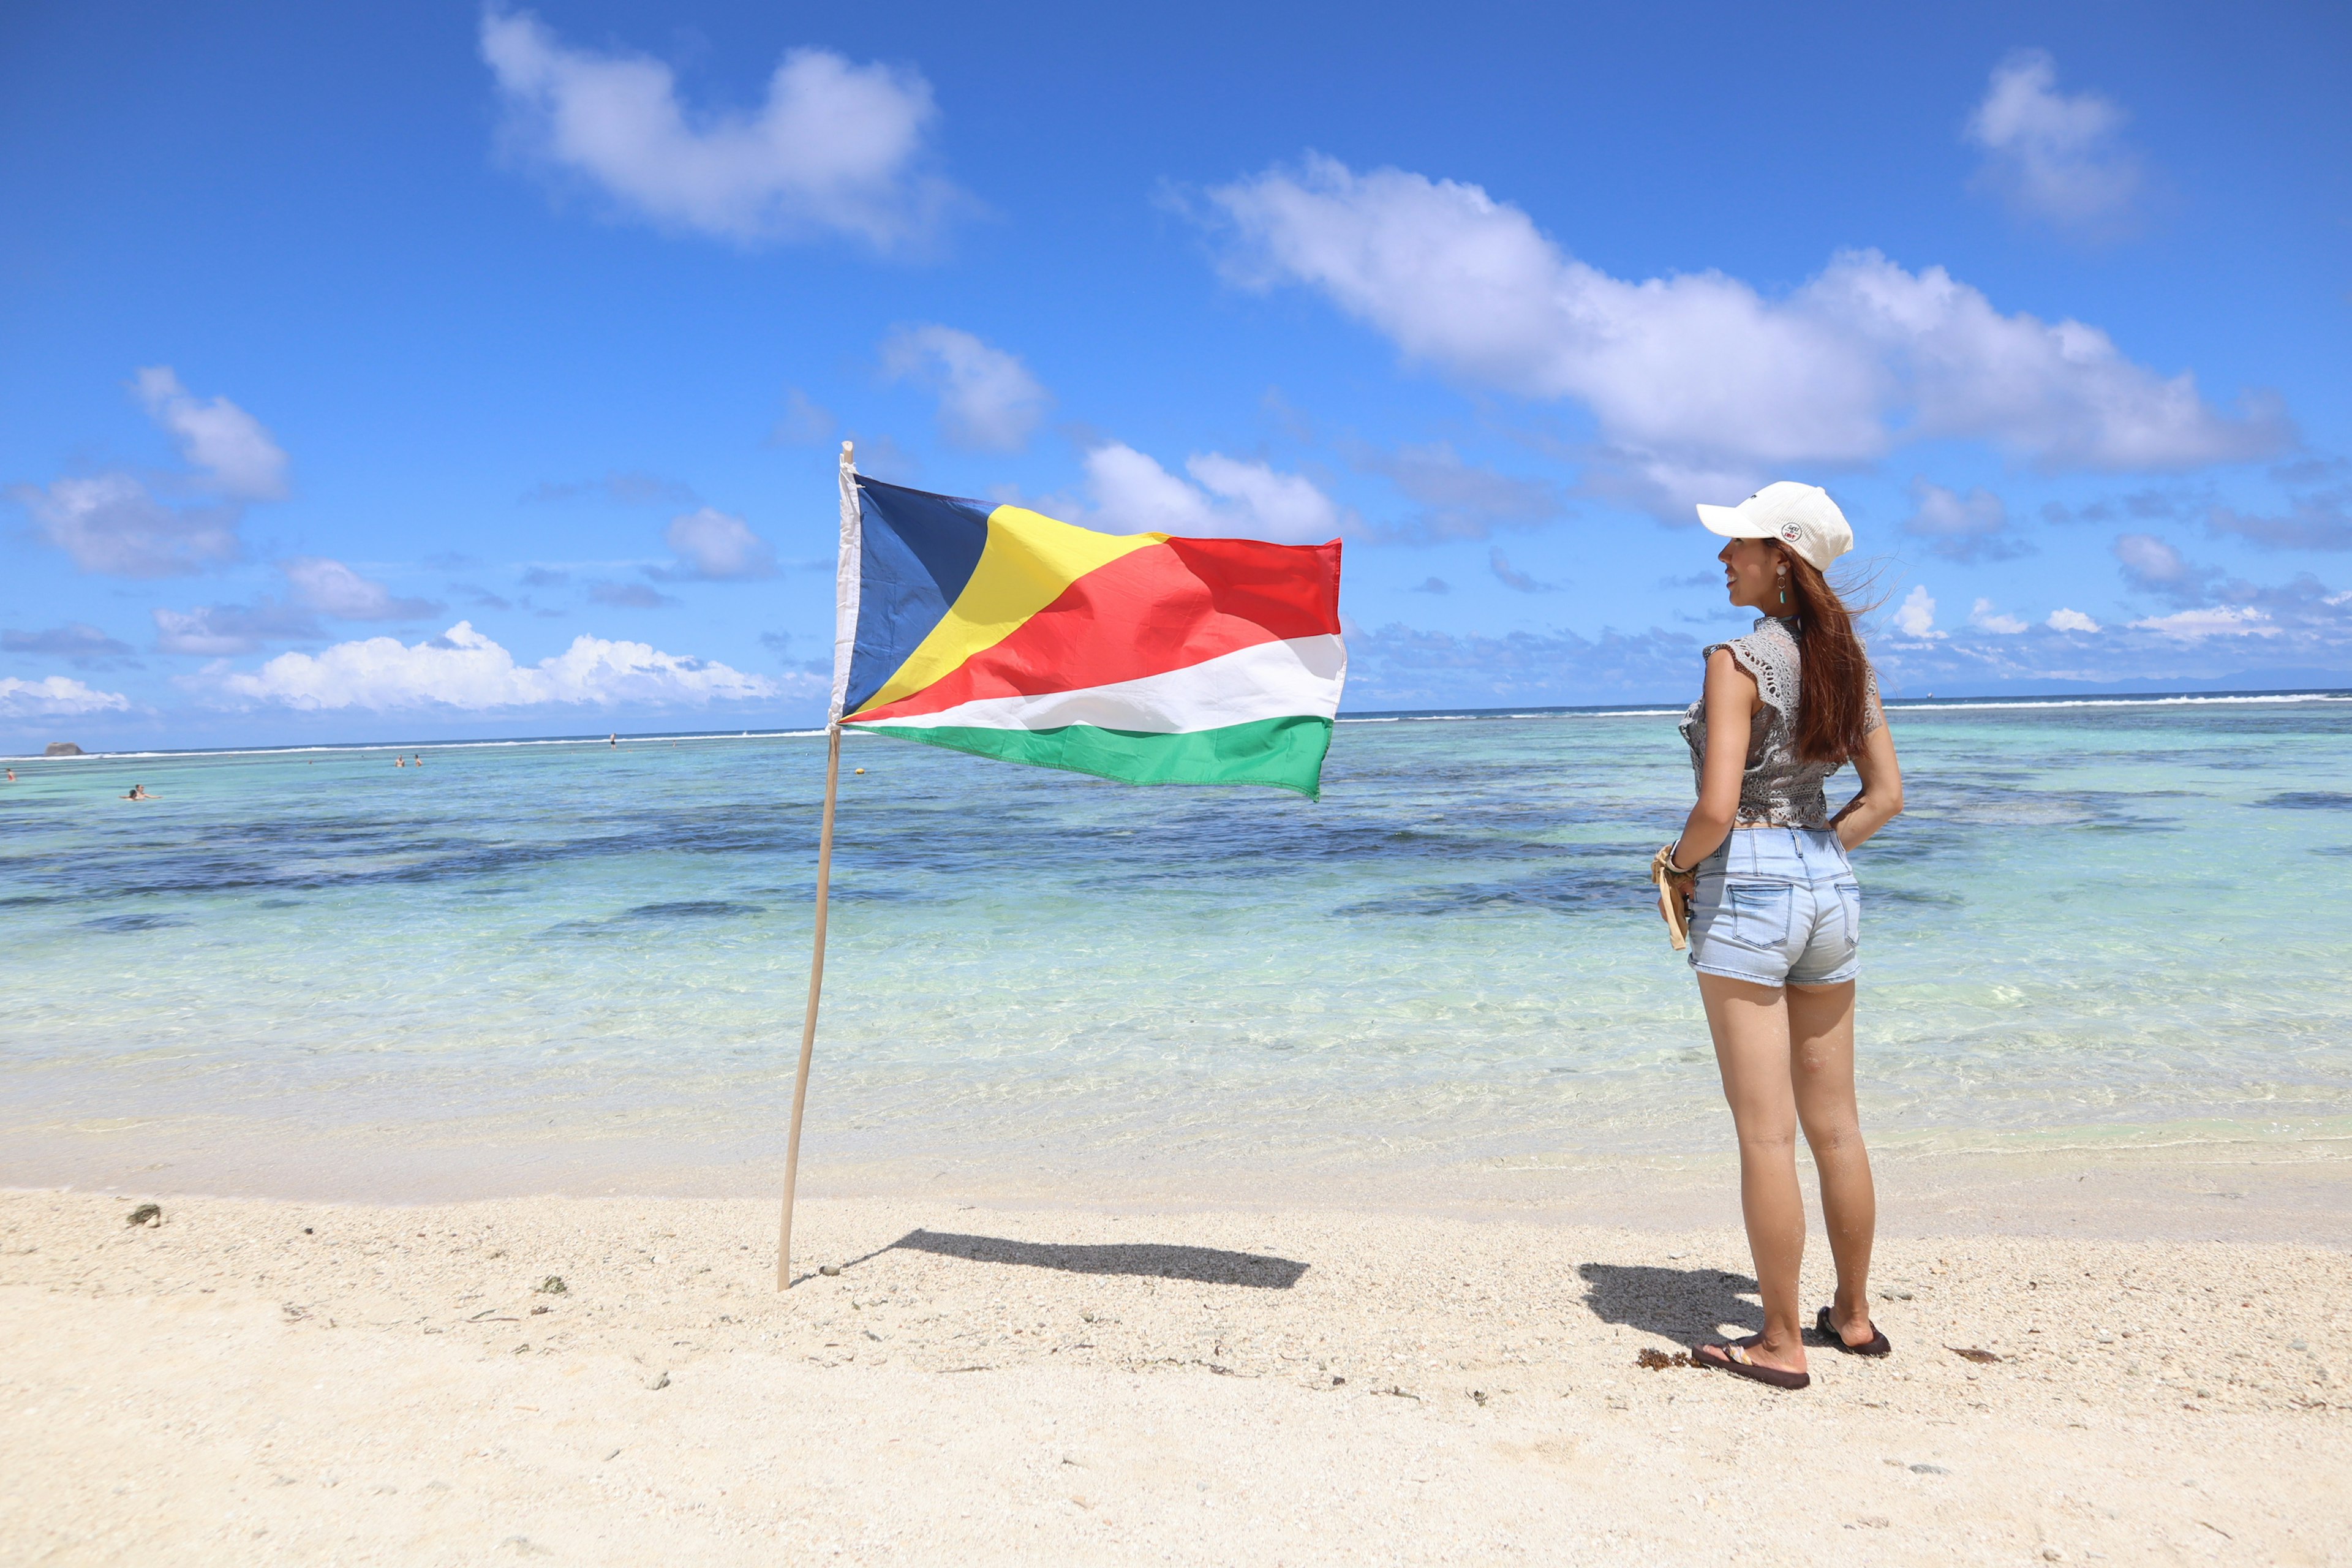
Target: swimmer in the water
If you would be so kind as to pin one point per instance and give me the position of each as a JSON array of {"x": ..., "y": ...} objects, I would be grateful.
[{"x": 139, "y": 792}]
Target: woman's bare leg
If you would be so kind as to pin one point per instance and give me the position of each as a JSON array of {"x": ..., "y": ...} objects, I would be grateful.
[
  {"x": 1820, "y": 1073},
  {"x": 1750, "y": 1024}
]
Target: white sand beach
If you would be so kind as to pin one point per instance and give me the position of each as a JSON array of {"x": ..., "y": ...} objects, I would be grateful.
[{"x": 270, "y": 1381}]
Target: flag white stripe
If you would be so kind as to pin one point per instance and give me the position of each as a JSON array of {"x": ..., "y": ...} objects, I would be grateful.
[{"x": 1266, "y": 681}]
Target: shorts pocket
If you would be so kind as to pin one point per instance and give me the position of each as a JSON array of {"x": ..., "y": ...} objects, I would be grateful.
[
  {"x": 1849, "y": 903},
  {"x": 1759, "y": 914}
]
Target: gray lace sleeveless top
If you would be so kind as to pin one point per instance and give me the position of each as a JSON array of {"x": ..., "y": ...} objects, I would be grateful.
[{"x": 1779, "y": 788}]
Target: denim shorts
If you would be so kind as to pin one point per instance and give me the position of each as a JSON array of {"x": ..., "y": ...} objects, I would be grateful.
[{"x": 1777, "y": 906}]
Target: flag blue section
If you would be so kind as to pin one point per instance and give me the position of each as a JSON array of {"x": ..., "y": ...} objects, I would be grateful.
[{"x": 918, "y": 552}]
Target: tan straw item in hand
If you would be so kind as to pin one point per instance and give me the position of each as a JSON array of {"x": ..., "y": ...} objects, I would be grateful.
[{"x": 1674, "y": 905}]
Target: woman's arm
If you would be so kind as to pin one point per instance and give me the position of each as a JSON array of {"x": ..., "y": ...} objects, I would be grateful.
[
  {"x": 1881, "y": 787},
  {"x": 1731, "y": 700}
]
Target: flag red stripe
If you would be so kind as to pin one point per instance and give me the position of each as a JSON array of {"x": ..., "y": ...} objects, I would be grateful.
[{"x": 1149, "y": 611}]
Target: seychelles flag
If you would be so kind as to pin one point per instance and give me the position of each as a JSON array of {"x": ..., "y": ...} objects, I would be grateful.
[{"x": 1143, "y": 658}]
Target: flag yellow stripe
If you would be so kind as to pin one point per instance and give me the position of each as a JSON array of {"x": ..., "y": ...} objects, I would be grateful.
[{"x": 1029, "y": 560}]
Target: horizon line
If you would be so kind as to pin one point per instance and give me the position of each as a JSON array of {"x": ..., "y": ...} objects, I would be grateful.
[{"x": 1370, "y": 715}]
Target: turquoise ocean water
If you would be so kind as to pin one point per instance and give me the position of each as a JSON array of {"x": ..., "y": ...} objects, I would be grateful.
[{"x": 2101, "y": 921}]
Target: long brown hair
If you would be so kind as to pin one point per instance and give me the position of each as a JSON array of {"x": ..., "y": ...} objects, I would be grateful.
[{"x": 1833, "y": 694}]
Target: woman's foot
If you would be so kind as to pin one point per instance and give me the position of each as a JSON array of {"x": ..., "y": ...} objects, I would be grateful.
[
  {"x": 1751, "y": 1358},
  {"x": 1852, "y": 1331},
  {"x": 1787, "y": 1354}
]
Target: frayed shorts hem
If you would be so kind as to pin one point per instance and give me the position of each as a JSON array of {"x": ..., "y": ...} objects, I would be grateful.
[{"x": 1841, "y": 976}]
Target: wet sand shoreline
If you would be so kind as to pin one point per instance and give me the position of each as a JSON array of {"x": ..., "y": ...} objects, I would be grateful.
[{"x": 2294, "y": 1189}]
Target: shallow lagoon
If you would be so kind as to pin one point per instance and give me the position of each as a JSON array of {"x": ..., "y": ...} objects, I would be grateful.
[{"x": 2112, "y": 922}]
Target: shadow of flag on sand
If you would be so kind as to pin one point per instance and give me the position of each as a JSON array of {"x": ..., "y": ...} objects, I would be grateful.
[{"x": 1157, "y": 1260}]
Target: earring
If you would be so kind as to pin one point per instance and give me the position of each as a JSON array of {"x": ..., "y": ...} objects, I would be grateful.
[{"x": 1784, "y": 586}]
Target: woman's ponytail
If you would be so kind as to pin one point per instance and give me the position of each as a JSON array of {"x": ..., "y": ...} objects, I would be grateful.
[{"x": 1834, "y": 701}]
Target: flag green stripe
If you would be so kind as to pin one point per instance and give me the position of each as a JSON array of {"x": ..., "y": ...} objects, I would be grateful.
[{"x": 1285, "y": 752}]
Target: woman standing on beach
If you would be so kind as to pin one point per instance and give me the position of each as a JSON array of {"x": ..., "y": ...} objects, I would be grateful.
[{"x": 1775, "y": 911}]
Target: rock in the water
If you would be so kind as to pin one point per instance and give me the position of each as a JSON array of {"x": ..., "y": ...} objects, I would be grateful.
[
  {"x": 148, "y": 1214},
  {"x": 61, "y": 748}
]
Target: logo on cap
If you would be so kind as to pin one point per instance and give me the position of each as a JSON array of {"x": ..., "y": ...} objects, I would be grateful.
[{"x": 1791, "y": 532}]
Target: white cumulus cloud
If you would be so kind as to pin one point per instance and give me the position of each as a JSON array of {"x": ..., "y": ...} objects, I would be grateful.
[
  {"x": 76, "y": 640},
  {"x": 112, "y": 523},
  {"x": 332, "y": 588},
  {"x": 464, "y": 670},
  {"x": 2150, "y": 560},
  {"x": 1986, "y": 618},
  {"x": 1699, "y": 379},
  {"x": 2153, "y": 565},
  {"x": 1971, "y": 527},
  {"x": 213, "y": 631},
  {"x": 988, "y": 399},
  {"x": 804, "y": 421},
  {"x": 55, "y": 696},
  {"x": 1511, "y": 577},
  {"x": 2056, "y": 156},
  {"x": 235, "y": 454},
  {"x": 1227, "y": 497},
  {"x": 2191, "y": 626},
  {"x": 837, "y": 147},
  {"x": 717, "y": 545},
  {"x": 115, "y": 523},
  {"x": 1458, "y": 500},
  {"x": 2066, "y": 620},
  {"x": 1915, "y": 616}
]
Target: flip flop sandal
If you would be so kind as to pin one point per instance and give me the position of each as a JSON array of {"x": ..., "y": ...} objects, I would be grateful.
[
  {"x": 1731, "y": 1362},
  {"x": 1876, "y": 1345}
]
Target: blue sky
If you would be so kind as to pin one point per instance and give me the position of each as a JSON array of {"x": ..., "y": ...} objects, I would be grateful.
[{"x": 428, "y": 371}]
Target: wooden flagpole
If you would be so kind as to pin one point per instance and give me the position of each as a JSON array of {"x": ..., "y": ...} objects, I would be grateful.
[
  {"x": 849, "y": 562},
  {"x": 808, "y": 1020}
]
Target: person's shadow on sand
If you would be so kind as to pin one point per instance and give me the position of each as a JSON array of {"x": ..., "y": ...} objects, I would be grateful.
[{"x": 1685, "y": 1305}]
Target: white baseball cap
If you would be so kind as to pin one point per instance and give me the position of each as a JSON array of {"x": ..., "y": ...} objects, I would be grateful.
[{"x": 1802, "y": 517}]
